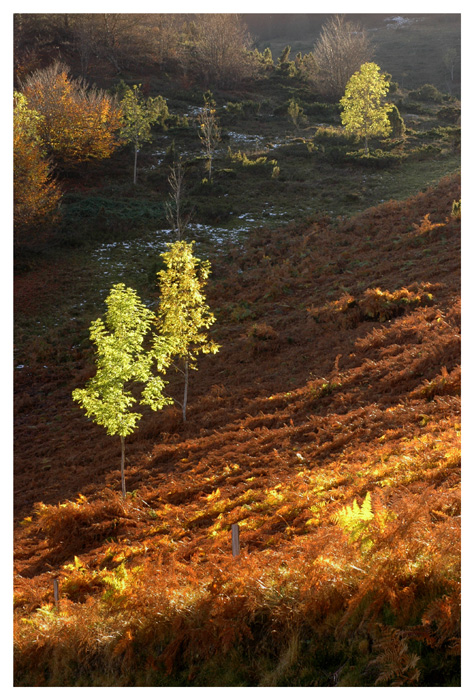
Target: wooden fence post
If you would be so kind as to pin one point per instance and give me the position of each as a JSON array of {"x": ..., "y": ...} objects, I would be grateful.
[
  {"x": 56, "y": 593},
  {"x": 235, "y": 540}
]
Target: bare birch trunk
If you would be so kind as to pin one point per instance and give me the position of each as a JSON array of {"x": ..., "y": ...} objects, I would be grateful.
[
  {"x": 135, "y": 167},
  {"x": 122, "y": 468},
  {"x": 186, "y": 380}
]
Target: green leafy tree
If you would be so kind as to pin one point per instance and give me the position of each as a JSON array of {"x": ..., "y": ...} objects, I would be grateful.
[
  {"x": 363, "y": 110},
  {"x": 209, "y": 131},
  {"x": 183, "y": 314},
  {"x": 138, "y": 115},
  {"x": 121, "y": 363}
]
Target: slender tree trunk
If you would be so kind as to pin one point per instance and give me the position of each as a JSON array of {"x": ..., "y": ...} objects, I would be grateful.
[
  {"x": 135, "y": 166},
  {"x": 186, "y": 381},
  {"x": 124, "y": 491},
  {"x": 366, "y": 145}
]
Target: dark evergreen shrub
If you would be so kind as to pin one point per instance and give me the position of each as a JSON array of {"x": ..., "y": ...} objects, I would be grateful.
[
  {"x": 450, "y": 115},
  {"x": 396, "y": 122},
  {"x": 426, "y": 93},
  {"x": 426, "y": 152},
  {"x": 376, "y": 159}
]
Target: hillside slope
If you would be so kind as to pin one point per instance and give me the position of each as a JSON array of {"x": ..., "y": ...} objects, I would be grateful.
[{"x": 338, "y": 376}]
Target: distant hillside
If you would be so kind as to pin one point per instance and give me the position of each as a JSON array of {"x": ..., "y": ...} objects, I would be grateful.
[{"x": 412, "y": 47}]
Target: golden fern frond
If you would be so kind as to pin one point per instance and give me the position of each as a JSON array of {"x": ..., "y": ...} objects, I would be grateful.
[{"x": 354, "y": 519}]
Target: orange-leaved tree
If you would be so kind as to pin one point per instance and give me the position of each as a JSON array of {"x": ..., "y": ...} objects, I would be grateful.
[
  {"x": 79, "y": 122},
  {"x": 36, "y": 193}
]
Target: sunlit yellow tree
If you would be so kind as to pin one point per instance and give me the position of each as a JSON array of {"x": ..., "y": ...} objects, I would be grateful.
[
  {"x": 183, "y": 314},
  {"x": 363, "y": 111},
  {"x": 123, "y": 362}
]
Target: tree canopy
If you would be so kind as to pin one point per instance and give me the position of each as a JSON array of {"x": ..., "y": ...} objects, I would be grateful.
[
  {"x": 121, "y": 359},
  {"x": 363, "y": 110},
  {"x": 183, "y": 314}
]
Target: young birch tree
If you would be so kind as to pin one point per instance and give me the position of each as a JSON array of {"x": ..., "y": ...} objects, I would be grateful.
[
  {"x": 138, "y": 115},
  {"x": 121, "y": 363},
  {"x": 209, "y": 131},
  {"x": 177, "y": 219},
  {"x": 363, "y": 111},
  {"x": 183, "y": 315}
]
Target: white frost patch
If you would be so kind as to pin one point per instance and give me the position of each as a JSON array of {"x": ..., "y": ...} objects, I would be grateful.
[
  {"x": 245, "y": 138},
  {"x": 218, "y": 236},
  {"x": 193, "y": 111},
  {"x": 116, "y": 257},
  {"x": 398, "y": 21}
]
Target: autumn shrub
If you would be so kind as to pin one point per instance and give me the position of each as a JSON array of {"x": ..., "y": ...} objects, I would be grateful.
[
  {"x": 383, "y": 306},
  {"x": 79, "y": 122},
  {"x": 319, "y": 389},
  {"x": 261, "y": 337},
  {"x": 373, "y": 305},
  {"x": 37, "y": 194}
]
